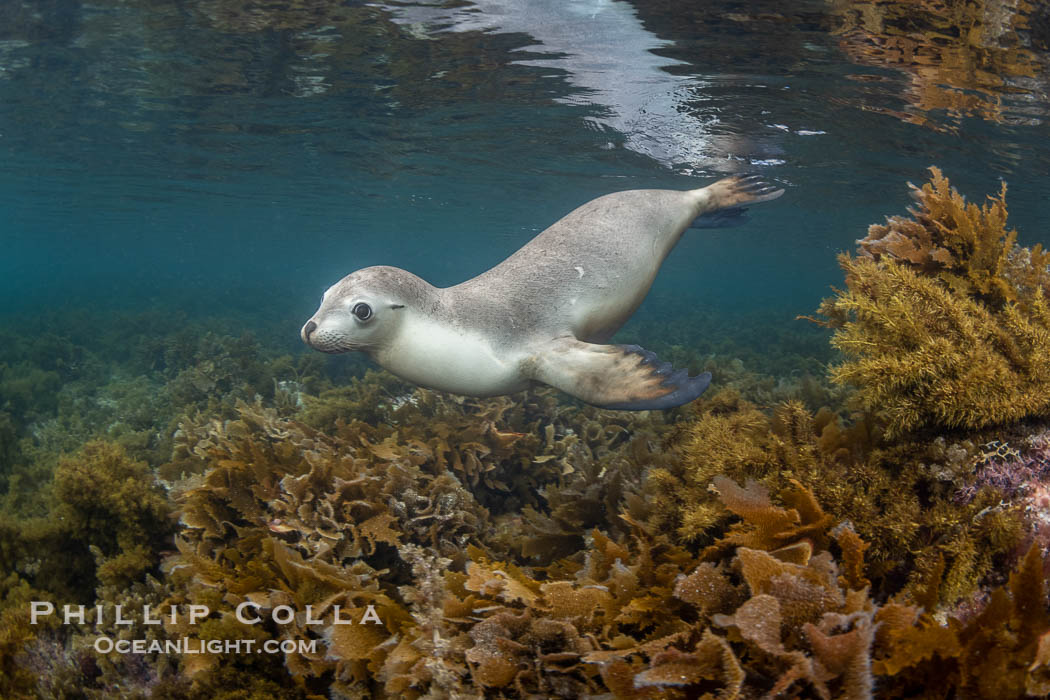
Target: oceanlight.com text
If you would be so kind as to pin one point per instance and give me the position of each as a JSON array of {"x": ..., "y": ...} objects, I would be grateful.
[{"x": 189, "y": 645}]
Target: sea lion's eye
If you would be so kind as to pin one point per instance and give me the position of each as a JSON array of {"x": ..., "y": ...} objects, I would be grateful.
[{"x": 362, "y": 310}]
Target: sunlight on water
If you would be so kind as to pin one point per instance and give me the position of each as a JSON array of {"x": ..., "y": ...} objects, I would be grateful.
[{"x": 608, "y": 58}]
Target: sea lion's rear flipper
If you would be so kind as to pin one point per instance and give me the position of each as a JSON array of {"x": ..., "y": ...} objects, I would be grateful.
[
  {"x": 623, "y": 377},
  {"x": 735, "y": 192}
]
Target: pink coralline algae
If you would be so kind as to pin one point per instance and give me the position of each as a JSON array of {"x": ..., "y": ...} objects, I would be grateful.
[
  {"x": 1018, "y": 470},
  {"x": 1022, "y": 474}
]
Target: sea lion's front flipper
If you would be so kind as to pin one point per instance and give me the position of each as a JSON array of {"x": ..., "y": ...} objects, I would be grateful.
[{"x": 623, "y": 377}]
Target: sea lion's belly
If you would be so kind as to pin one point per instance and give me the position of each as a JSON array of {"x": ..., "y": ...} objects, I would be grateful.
[{"x": 450, "y": 358}]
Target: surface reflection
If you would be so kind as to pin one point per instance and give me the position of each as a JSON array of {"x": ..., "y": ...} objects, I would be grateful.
[
  {"x": 982, "y": 59},
  {"x": 608, "y": 57}
]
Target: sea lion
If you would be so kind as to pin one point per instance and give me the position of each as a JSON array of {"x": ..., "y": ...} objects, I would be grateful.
[{"x": 542, "y": 314}]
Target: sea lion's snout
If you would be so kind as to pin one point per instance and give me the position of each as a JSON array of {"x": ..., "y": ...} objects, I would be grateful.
[
  {"x": 328, "y": 337},
  {"x": 309, "y": 328},
  {"x": 331, "y": 332}
]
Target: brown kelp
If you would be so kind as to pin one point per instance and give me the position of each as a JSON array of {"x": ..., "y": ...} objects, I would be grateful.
[
  {"x": 900, "y": 496},
  {"x": 286, "y": 515},
  {"x": 279, "y": 513},
  {"x": 778, "y": 605}
]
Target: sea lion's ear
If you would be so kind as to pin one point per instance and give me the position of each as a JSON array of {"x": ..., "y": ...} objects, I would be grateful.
[
  {"x": 622, "y": 377},
  {"x": 397, "y": 306}
]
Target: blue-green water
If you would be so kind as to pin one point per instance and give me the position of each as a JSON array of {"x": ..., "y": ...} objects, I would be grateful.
[
  {"x": 180, "y": 182},
  {"x": 244, "y": 157}
]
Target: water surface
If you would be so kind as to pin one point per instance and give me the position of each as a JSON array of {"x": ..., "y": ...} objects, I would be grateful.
[{"x": 245, "y": 155}]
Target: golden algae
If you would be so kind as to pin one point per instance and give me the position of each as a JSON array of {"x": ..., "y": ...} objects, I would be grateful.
[
  {"x": 777, "y": 598},
  {"x": 944, "y": 321},
  {"x": 106, "y": 521}
]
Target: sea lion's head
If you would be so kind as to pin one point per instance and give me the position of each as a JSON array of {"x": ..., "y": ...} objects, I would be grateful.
[{"x": 361, "y": 311}]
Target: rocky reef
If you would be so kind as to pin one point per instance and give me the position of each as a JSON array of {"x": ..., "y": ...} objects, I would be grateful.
[{"x": 881, "y": 531}]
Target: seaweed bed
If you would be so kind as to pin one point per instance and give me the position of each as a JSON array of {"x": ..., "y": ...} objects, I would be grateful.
[{"x": 874, "y": 527}]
